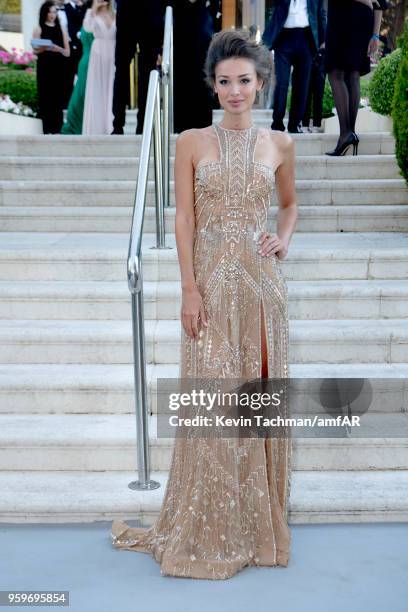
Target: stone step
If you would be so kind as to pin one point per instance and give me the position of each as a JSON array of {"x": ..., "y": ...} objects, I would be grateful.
[
  {"x": 259, "y": 115},
  {"x": 329, "y": 256},
  {"x": 111, "y": 300},
  {"x": 389, "y": 218},
  {"x": 102, "y": 256},
  {"x": 316, "y": 167},
  {"x": 108, "y": 442},
  {"x": 79, "y": 341},
  {"x": 316, "y": 497},
  {"x": 95, "y": 389},
  {"x": 116, "y": 194},
  {"x": 375, "y": 143}
]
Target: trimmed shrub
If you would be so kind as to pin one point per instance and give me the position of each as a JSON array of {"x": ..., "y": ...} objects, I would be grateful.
[
  {"x": 364, "y": 86},
  {"x": 381, "y": 87},
  {"x": 21, "y": 86},
  {"x": 400, "y": 108}
]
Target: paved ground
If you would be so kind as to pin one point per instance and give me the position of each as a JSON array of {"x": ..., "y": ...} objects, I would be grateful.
[{"x": 341, "y": 568}]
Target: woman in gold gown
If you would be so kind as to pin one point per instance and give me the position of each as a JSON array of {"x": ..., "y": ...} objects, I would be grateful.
[{"x": 226, "y": 500}]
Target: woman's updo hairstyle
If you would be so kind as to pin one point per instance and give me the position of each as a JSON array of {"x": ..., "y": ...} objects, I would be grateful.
[{"x": 232, "y": 43}]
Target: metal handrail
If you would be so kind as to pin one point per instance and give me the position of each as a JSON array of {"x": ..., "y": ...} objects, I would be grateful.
[
  {"x": 153, "y": 123},
  {"x": 167, "y": 83}
]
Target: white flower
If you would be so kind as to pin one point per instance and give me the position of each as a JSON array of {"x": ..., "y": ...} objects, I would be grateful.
[{"x": 7, "y": 105}]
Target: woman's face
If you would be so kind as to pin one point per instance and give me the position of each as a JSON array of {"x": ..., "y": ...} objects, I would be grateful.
[
  {"x": 52, "y": 14},
  {"x": 236, "y": 84}
]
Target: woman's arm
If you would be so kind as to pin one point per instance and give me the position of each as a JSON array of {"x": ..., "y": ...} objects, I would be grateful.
[
  {"x": 286, "y": 190},
  {"x": 37, "y": 34},
  {"x": 377, "y": 22},
  {"x": 88, "y": 23},
  {"x": 67, "y": 48},
  {"x": 66, "y": 51},
  {"x": 375, "y": 40},
  {"x": 192, "y": 305},
  {"x": 185, "y": 218}
]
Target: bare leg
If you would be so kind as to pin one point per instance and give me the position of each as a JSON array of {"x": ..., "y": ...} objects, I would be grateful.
[{"x": 264, "y": 349}]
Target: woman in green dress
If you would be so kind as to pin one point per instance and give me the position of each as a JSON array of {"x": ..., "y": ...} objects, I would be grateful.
[{"x": 75, "y": 111}]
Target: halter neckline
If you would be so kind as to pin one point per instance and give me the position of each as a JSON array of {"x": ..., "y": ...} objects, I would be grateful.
[{"x": 230, "y": 130}]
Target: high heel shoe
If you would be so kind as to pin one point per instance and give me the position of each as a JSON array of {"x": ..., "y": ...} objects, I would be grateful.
[
  {"x": 355, "y": 145},
  {"x": 342, "y": 149}
]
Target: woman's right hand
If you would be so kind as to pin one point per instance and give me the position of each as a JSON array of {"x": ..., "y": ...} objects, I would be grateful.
[
  {"x": 373, "y": 48},
  {"x": 192, "y": 311}
]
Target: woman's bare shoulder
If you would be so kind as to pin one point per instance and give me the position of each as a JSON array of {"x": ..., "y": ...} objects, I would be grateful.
[
  {"x": 193, "y": 138},
  {"x": 193, "y": 134},
  {"x": 275, "y": 144},
  {"x": 282, "y": 140}
]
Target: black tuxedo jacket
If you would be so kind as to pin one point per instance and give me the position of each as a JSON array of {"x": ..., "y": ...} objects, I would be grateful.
[
  {"x": 75, "y": 17},
  {"x": 317, "y": 21}
]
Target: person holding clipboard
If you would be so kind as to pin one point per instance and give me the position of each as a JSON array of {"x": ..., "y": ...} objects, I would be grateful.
[{"x": 50, "y": 44}]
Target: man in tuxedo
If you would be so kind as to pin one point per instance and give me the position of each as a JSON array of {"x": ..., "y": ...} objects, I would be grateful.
[
  {"x": 138, "y": 22},
  {"x": 75, "y": 13},
  {"x": 295, "y": 32}
]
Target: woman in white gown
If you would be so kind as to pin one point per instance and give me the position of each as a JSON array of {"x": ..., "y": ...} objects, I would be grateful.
[{"x": 98, "y": 116}]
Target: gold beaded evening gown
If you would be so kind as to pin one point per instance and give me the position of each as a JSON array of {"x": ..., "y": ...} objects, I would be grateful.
[{"x": 226, "y": 501}]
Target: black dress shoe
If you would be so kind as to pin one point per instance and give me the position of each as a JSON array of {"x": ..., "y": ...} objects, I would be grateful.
[
  {"x": 117, "y": 131},
  {"x": 295, "y": 130},
  {"x": 278, "y": 126}
]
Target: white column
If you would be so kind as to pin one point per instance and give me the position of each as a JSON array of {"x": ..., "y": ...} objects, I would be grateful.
[
  {"x": 260, "y": 14},
  {"x": 253, "y": 13},
  {"x": 29, "y": 19}
]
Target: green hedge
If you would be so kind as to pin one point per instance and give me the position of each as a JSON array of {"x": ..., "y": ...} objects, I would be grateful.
[
  {"x": 400, "y": 108},
  {"x": 20, "y": 86},
  {"x": 381, "y": 88},
  {"x": 328, "y": 102}
]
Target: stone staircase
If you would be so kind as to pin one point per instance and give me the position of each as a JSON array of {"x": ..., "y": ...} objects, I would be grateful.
[{"x": 67, "y": 425}]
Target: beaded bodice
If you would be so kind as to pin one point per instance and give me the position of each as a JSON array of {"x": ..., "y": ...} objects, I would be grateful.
[
  {"x": 232, "y": 198},
  {"x": 232, "y": 194}
]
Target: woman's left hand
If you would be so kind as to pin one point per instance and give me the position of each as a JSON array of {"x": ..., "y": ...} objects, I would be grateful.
[
  {"x": 373, "y": 47},
  {"x": 271, "y": 243}
]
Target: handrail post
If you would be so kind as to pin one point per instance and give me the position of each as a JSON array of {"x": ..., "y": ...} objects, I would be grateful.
[
  {"x": 158, "y": 169},
  {"x": 135, "y": 283},
  {"x": 142, "y": 414},
  {"x": 166, "y": 142},
  {"x": 167, "y": 92},
  {"x": 171, "y": 92}
]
